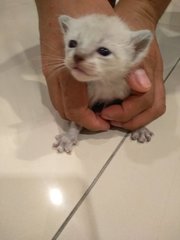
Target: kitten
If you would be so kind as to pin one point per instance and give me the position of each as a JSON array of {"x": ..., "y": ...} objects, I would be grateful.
[{"x": 100, "y": 50}]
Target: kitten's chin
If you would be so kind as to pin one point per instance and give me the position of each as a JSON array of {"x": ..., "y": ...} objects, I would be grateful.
[{"x": 82, "y": 76}]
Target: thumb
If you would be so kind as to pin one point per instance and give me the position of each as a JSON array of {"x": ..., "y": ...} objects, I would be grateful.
[{"x": 138, "y": 81}]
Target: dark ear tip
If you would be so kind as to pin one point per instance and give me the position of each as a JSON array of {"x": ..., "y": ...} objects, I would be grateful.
[{"x": 148, "y": 34}]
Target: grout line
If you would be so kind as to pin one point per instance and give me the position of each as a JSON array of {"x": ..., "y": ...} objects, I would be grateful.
[
  {"x": 172, "y": 69},
  {"x": 88, "y": 190},
  {"x": 81, "y": 200}
]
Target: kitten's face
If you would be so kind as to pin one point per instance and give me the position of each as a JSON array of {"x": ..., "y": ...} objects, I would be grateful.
[{"x": 97, "y": 47}]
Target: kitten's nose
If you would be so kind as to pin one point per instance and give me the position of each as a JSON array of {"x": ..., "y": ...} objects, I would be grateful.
[{"x": 78, "y": 58}]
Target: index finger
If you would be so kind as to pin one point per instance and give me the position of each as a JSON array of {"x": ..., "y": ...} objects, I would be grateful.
[{"x": 130, "y": 108}]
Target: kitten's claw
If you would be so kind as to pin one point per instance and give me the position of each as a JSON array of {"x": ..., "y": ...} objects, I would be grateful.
[
  {"x": 64, "y": 143},
  {"x": 142, "y": 135}
]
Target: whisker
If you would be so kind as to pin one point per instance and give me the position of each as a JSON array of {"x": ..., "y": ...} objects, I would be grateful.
[
  {"x": 54, "y": 62},
  {"x": 52, "y": 57},
  {"x": 57, "y": 67},
  {"x": 56, "y": 71},
  {"x": 49, "y": 46},
  {"x": 54, "y": 65}
]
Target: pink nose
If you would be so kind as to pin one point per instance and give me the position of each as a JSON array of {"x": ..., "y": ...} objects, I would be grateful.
[{"x": 78, "y": 58}]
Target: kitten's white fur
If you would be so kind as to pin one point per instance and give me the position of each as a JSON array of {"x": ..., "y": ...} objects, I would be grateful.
[{"x": 105, "y": 75}]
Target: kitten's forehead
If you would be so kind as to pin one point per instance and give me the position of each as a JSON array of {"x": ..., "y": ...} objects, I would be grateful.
[
  {"x": 90, "y": 31},
  {"x": 87, "y": 33}
]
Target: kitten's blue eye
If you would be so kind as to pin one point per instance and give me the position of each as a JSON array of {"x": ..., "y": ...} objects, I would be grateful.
[
  {"x": 103, "y": 51},
  {"x": 72, "y": 43}
]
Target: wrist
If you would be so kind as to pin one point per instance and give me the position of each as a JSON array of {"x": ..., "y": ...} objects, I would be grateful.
[{"x": 137, "y": 14}]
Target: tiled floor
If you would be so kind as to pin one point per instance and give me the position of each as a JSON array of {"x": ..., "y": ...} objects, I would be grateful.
[{"x": 138, "y": 194}]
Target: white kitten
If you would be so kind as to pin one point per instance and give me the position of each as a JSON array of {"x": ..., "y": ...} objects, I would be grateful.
[{"x": 100, "y": 50}]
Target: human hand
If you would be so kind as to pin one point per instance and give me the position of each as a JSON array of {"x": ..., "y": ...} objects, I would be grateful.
[
  {"x": 147, "y": 101},
  {"x": 70, "y": 99},
  {"x": 68, "y": 96}
]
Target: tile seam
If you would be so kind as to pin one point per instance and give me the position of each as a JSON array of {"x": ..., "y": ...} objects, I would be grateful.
[
  {"x": 89, "y": 189},
  {"x": 172, "y": 70}
]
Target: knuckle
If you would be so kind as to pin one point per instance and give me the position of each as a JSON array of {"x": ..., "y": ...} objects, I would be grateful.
[
  {"x": 124, "y": 118},
  {"x": 148, "y": 102},
  {"x": 161, "y": 110},
  {"x": 131, "y": 127},
  {"x": 75, "y": 113}
]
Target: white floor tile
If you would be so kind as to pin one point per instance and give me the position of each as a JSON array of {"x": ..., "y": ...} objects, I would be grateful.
[
  {"x": 138, "y": 196},
  {"x": 39, "y": 187},
  {"x": 171, "y": 16},
  {"x": 168, "y": 34}
]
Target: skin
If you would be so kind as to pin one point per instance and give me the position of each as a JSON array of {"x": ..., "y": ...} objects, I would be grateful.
[{"x": 147, "y": 101}]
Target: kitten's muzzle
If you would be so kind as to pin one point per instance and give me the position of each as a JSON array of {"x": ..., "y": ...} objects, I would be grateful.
[
  {"x": 80, "y": 70},
  {"x": 78, "y": 58}
]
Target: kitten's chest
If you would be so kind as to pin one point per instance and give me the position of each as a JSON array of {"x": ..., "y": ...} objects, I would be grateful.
[{"x": 107, "y": 91}]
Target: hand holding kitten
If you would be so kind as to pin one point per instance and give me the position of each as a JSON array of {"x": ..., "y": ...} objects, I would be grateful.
[
  {"x": 69, "y": 97},
  {"x": 147, "y": 101}
]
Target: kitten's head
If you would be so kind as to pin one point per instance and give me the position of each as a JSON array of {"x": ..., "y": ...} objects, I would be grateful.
[{"x": 99, "y": 47}]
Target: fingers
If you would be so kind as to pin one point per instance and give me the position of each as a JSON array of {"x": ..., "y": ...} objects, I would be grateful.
[
  {"x": 140, "y": 109},
  {"x": 142, "y": 98},
  {"x": 142, "y": 119},
  {"x": 88, "y": 119},
  {"x": 156, "y": 110},
  {"x": 129, "y": 109}
]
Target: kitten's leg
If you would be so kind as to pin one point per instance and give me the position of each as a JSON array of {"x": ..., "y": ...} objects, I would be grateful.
[
  {"x": 142, "y": 135},
  {"x": 65, "y": 141}
]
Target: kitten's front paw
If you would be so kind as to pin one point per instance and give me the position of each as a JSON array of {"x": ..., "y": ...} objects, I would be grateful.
[
  {"x": 64, "y": 143},
  {"x": 142, "y": 135}
]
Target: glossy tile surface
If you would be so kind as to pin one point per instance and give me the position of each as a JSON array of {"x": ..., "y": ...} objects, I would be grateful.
[
  {"x": 39, "y": 188},
  {"x": 138, "y": 196},
  {"x": 168, "y": 35}
]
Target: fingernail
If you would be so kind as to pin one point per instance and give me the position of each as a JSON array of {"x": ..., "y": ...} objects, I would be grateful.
[{"x": 142, "y": 78}]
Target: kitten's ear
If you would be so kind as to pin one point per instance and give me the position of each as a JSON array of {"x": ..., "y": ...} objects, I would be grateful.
[
  {"x": 64, "y": 21},
  {"x": 141, "y": 41}
]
